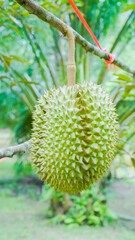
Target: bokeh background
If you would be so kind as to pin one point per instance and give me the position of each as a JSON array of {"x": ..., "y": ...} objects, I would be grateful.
[{"x": 33, "y": 58}]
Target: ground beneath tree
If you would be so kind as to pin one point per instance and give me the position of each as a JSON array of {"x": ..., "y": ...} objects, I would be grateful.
[{"x": 23, "y": 218}]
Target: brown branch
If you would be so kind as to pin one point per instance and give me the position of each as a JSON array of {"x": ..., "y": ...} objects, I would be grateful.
[
  {"x": 10, "y": 151},
  {"x": 21, "y": 180},
  {"x": 34, "y": 8}
]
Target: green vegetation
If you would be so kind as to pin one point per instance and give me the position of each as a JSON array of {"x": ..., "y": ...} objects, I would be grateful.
[
  {"x": 89, "y": 207},
  {"x": 33, "y": 58}
]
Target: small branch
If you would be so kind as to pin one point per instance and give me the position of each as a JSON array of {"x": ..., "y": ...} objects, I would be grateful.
[
  {"x": 34, "y": 8},
  {"x": 21, "y": 180},
  {"x": 11, "y": 151}
]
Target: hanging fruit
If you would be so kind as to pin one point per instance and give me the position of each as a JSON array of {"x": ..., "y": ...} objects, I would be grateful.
[{"x": 74, "y": 132}]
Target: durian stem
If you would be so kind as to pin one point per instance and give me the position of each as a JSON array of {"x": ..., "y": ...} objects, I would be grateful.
[{"x": 71, "y": 67}]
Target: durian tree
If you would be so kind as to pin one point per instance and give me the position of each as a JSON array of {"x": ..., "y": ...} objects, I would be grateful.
[
  {"x": 37, "y": 73},
  {"x": 74, "y": 129}
]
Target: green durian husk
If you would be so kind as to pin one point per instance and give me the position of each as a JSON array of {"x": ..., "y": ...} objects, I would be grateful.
[{"x": 74, "y": 136}]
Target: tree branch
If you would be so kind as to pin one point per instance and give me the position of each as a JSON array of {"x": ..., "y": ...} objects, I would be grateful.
[
  {"x": 34, "y": 8},
  {"x": 21, "y": 180},
  {"x": 10, "y": 151}
]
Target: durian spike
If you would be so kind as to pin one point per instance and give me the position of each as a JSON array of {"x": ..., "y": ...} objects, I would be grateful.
[{"x": 71, "y": 67}]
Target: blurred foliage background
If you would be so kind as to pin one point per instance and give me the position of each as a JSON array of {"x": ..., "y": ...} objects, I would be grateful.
[{"x": 33, "y": 59}]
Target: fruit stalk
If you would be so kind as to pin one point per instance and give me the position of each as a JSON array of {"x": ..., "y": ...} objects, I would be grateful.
[{"x": 71, "y": 67}]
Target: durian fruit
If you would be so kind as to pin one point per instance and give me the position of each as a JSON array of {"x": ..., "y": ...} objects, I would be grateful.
[{"x": 74, "y": 136}]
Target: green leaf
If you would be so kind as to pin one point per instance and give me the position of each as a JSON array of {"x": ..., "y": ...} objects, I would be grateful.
[
  {"x": 24, "y": 82},
  {"x": 92, "y": 219},
  {"x": 4, "y": 76},
  {"x": 15, "y": 28},
  {"x": 7, "y": 60},
  {"x": 16, "y": 58},
  {"x": 16, "y": 21},
  {"x": 1, "y": 3},
  {"x": 12, "y": 84},
  {"x": 69, "y": 221},
  {"x": 110, "y": 215},
  {"x": 123, "y": 77},
  {"x": 129, "y": 7},
  {"x": 133, "y": 159}
]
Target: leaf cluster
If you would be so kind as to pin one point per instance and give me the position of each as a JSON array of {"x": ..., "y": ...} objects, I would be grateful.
[{"x": 89, "y": 207}]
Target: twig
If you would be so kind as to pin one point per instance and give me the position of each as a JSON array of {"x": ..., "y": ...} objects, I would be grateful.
[
  {"x": 21, "y": 180},
  {"x": 10, "y": 151},
  {"x": 40, "y": 12}
]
